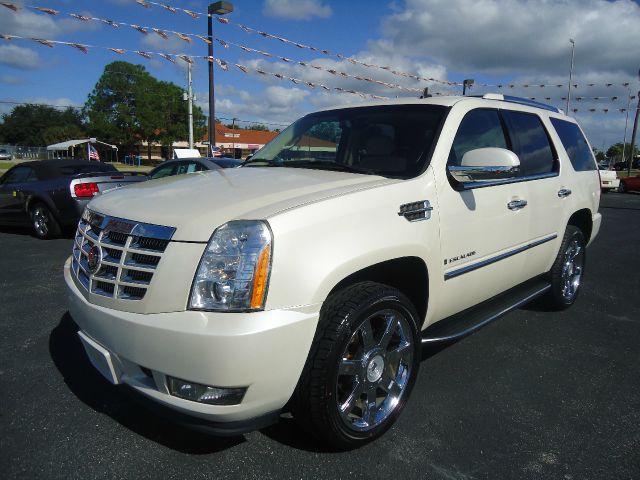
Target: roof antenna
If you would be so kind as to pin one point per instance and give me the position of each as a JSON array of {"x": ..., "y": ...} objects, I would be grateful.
[{"x": 426, "y": 93}]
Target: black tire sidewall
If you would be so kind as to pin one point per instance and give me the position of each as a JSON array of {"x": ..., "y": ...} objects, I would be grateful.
[{"x": 349, "y": 438}]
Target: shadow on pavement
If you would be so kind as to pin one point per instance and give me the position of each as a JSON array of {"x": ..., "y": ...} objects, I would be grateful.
[
  {"x": 92, "y": 389},
  {"x": 67, "y": 232}
]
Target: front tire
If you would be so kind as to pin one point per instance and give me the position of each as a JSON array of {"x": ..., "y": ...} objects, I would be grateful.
[
  {"x": 568, "y": 269},
  {"x": 44, "y": 224},
  {"x": 361, "y": 367}
]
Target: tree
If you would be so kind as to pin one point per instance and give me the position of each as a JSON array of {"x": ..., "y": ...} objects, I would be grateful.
[
  {"x": 129, "y": 106},
  {"x": 615, "y": 151},
  {"x": 28, "y": 125}
]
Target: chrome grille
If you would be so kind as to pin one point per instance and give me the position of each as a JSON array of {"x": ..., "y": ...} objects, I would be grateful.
[{"x": 129, "y": 255}]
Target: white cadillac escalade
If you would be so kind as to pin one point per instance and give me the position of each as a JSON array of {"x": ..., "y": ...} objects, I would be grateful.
[{"x": 310, "y": 278}]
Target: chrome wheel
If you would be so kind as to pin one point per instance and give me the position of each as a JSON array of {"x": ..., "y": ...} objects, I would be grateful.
[
  {"x": 573, "y": 265},
  {"x": 374, "y": 370},
  {"x": 41, "y": 221}
]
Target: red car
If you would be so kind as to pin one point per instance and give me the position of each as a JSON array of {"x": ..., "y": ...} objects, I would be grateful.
[{"x": 629, "y": 184}]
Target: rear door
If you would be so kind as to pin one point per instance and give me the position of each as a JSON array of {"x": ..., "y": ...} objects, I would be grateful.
[{"x": 541, "y": 185}]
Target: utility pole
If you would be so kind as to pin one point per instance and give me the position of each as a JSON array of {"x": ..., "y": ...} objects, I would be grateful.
[
  {"x": 573, "y": 48},
  {"x": 217, "y": 8},
  {"x": 190, "y": 104},
  {"x": 633, "y": 137},
  {"x": 233, "y": 120},
  {"x": 626, "y": 124}
]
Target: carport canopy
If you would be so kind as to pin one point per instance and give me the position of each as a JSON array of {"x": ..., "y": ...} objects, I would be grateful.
[{"x": 65, "y": 146}]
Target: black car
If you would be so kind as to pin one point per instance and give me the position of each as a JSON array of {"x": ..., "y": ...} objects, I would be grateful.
[
  {"x": 49, "y": 195},
  {"x": 191, "y": 165}
]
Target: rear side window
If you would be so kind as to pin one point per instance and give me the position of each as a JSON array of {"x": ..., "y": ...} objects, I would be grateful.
[
  {"x": 70, "y": 170},
  {"x": 163, "y": 171},
  {"x": 20, "y": 175},
  {"x": 575, "y": 144},
  {"x": 479, "y": 128},
  {"x": 530, "y": 142}
]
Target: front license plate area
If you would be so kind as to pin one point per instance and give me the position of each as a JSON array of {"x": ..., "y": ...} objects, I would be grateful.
[{"x": 100, "y": 358}]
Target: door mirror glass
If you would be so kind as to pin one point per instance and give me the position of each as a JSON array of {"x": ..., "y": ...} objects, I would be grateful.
[{"x": 484, "y": 166}]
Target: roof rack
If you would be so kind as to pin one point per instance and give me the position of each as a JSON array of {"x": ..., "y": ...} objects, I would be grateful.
[{"x": 521, "y": 101}]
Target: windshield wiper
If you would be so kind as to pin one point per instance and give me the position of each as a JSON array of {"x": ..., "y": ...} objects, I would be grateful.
[{"x": 327, "y": 165}]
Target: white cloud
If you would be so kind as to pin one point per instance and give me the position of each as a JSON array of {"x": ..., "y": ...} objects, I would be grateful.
[
  {"x": 27, "y": 23},
  {"x": 19, "y": 57},
  {"x": 296, "y": 9},
  {"x": 507, "y": 36},
  {"x": 12, "y": 80}
]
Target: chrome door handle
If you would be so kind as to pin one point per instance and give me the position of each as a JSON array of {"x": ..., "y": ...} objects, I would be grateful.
[
  {"x": 564, "y": 192},
  {"x": 516, "y": 204}
]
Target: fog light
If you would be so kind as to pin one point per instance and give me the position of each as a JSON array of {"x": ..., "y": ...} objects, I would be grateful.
[{"x": 204, "y": 393}]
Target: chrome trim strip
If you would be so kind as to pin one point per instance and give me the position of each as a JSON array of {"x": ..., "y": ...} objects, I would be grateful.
[
  {"x": 497, "y": 258},
  {"x": 489, "y": 319},
  {"x": 527, "y": 178},
  {"x": 128, "y": 227}
]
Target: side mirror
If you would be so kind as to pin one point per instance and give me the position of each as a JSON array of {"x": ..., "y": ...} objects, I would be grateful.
[{"x": 485, "y": 166}]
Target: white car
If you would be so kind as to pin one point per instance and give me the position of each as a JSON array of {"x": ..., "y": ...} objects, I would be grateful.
[
  {"x": 311, "y": 277},
  {"x": 608, "y": 180}
]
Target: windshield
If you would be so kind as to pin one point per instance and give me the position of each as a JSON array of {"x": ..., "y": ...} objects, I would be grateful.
[{"x": 387, "y": 140}]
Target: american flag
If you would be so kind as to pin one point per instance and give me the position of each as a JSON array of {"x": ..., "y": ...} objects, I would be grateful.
[{"x": 93, "y": 153}]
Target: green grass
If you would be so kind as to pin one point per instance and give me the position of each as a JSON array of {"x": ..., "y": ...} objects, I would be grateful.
[
  {"x": 129, "y": 168},
  {"x": 6, "y": 165}
]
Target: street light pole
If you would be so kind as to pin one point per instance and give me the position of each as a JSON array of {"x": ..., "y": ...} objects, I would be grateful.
[
  {"x": 190, "y": 104},
  {"x": 573, "y": 48},
  {"x": 633, "y": 138},
  {"x": 217, "y": 8}
]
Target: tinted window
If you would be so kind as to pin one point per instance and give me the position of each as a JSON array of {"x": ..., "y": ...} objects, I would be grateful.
[
  {"x": 163, "y": 171},
  {"x": 575, "y": 144},
  {"x": 20, "y": 175},
  {"x": 478, "y": 129},
  {"x": 388, "y": 140},
  {"x": 70, "y": 170},
  {"x": 227, "y": 162},
  {"x": 530, "y": 142}
]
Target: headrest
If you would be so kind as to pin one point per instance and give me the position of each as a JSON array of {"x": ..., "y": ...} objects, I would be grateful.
[{"x": 381, "y": 145}]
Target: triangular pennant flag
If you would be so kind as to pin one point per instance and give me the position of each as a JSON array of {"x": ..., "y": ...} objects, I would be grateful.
[
  {"x": 146, "y": 55},
  {"x": 169, "y": 7},
  {"x": 47, "y": 43},
  {"x": 222, "y": 42},
  {"x": 119, "y": 51},
  {"x": 162, "y": 33},
  {"x": 184, "y": 37},
  {"x": 79, "y": 46},
  {"x": 186, "y": 58},
  {"x": 50, "y": 11},
  {"x": 6, "y": 37},
  {"x": 222, "y": 19},
  {"x": 222, "y": 64},
  {"x": 167, "y": 57},
  {"x": 111, "y": 23},
  {"x": 143, "y": 3},
  {"x": 204, "y": 39},
  {"x": 10, "y": 6},
  {"x": 140, "y": 29},
  {"x": 190, "y": 13},
  {"x": 242, "y": 67},
  {"x": 80, "y": 17}
]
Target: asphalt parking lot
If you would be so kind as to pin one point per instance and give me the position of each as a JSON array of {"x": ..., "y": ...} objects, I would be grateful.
[{"x": 534, "y": 395}]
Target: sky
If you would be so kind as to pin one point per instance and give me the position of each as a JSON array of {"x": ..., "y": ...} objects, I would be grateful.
[{"x": 506, "y": 42}]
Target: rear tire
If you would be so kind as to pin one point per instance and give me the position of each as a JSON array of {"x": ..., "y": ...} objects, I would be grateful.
[
  {"x": 568, "y": 270},
  {"x": 44, "y": 224},
  {"x": 361, "y": 368}
]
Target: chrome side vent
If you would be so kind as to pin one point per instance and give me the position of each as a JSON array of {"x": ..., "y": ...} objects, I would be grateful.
[{"x": 416, "y": 211}]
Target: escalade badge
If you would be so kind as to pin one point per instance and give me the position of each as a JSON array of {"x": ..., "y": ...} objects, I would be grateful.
[{"x": 94, "y": 259}]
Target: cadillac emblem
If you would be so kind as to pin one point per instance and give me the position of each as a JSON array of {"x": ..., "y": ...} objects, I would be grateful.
[{"x": 94, "y": 259}]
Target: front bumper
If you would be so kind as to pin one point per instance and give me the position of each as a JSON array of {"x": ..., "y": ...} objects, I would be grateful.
[{"x": 264, "y": 351}]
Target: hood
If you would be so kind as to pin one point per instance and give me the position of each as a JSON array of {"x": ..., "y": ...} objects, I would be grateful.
[{"x": 197, "y": 203}]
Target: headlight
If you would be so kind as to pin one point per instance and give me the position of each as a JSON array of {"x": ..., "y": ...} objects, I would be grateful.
[{"x": 234, "y": 270}]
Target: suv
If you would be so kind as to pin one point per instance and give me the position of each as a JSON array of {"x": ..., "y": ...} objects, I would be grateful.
[{"x": 309, "y": 279}]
